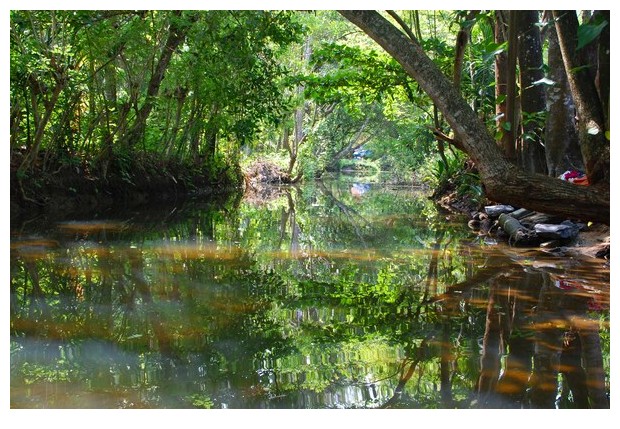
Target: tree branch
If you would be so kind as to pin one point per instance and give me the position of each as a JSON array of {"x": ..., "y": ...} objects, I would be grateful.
[{"x": 502, "y": 180}]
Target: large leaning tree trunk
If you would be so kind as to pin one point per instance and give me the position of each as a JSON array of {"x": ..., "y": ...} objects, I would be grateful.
[{"x": 502, "y": 180}]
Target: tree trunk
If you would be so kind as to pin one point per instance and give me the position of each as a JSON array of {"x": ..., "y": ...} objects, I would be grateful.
[
  {"x": 572, "y": 371},
  {"x": 181, "y": 96},
  {"x": 446, "y": 362},
  {"x": 515, "y": 300},
  {"x": 113, "y": 122},
  {"x": 603, "y": 72},
  {"x": 532, "y": 96},
  {"x": 501, "y": 83},
  {"x": 591, "y": 120},
  {"x": 40, "y": 123},
  {"x": 210, "y": 137},
  {"x": 593, "y": 364},
  {"x": 544, "y": 380},
  {"x": 416, "y": 23},
  {"x": 210, "y": 149},
  {"x": 299, "y": 135},
  {"x": 561, "y": 143},
  {"x": 462, "y": 39},
  {"x": 176, "y": 35},
  {"x": 509, "y": 138},
  {"x": 354, "y": 143},
  {"x": 193, "y": 127},
  {"x": 503, "y": 181},
  {"x": 15, "y": 119}
]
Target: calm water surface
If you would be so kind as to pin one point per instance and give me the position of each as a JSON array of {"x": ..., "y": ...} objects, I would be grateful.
[{"x": 331, "y": 295}]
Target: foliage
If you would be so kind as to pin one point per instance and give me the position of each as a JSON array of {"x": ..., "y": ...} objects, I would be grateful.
[
  {"x": 200, "y": 401},
  {"x": 587, "y": 33},
  {"x": 99, "y": 89},
  {"x": 103, "y": 85},
  {"x": 354, "y": 76}
]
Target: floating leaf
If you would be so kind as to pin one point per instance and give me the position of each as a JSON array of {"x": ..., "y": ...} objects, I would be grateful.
[{"x": 607, "y": 135}]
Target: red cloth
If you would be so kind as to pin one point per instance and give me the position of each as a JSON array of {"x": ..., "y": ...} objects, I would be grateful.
[{"x": 576, "y": 177}]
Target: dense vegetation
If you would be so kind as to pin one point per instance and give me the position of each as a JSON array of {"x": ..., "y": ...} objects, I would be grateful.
[
  {"x": 109, "y": 104},
  {"x": 142, "y": 100},
  {"x": 110, "y": 107}
]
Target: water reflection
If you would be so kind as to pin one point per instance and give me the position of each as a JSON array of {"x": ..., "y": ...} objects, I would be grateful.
[
  {"x": 359, "y": 189},
  {"x": 309, "y": 298}
]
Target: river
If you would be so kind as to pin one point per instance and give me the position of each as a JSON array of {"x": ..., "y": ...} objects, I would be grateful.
[{"x": 333, "y": 294}]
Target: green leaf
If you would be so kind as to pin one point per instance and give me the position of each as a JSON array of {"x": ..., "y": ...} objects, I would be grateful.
[
  {"x": 494, "y": 49},
  {"x": 607, "y": 135},
  {"x": 467, "y": 24},
  {"x": 579, "y": 68},
  {"x": 588, "y": 32}
]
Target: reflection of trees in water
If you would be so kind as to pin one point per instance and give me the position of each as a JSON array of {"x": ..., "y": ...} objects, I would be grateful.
[
  {"x": 533, "y": 332},
  {"x": 354, "y": 218},
  {"x": 204, "y": 317}
]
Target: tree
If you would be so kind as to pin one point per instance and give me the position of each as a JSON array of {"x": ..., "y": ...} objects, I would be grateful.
[
  {"x": 361, "y": 97},
  {"x": 299, "y": 135},
  {"x": 107, "y": 90},
  {"x": 462, "y": 39},
  {"x": 588, "y": 102},
  {"x": 177, "y": 30},
  {"x": 532, "y": 152},
  {"x": 561, "y": 143},
  {"x": 503, "y": 181},
  {"x": 504, "y": 62},
  {"x": 41, "y": 63}
]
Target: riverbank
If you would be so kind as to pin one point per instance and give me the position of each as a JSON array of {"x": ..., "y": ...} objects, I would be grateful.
[
  {"x": 592, "y": 241},
  {"x": 77, "y": 187}
]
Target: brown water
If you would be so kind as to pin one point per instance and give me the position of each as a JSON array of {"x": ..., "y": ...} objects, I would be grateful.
[{"x": 326, "y": 296}]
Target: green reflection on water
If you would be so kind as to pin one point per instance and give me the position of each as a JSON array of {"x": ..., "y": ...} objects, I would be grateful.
[{"x": 314, "y": 297}]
